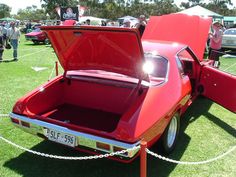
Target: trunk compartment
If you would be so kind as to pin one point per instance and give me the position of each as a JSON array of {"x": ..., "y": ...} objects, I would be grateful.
[{"x": 96, "y": 104}]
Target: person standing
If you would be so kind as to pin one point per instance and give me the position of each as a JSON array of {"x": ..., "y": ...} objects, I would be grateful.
[
  {"x": 215, "y": 43},
  {"x": 87, "y": 22},
  {"x": 1, "y": 42},
  {"x": 14, "y": 37},
  {"x": 4, "y": 31},
  {"x": 126, "y": 23},
  {"x": 142, "y": 24}
]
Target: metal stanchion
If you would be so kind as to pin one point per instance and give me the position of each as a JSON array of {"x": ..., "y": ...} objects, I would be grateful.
[
  {"x": 143, "y": 159},
  {"x": 56, "y": 67}
]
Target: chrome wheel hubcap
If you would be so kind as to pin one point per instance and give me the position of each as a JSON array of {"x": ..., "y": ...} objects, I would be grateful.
[{"x": 172, "y": 131}]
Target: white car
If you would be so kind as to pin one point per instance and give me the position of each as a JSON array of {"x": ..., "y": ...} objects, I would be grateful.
[{"x": 229, "y": 39}]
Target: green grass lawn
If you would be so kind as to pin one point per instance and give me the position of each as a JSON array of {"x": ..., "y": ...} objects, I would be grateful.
[{"x": 207, "y": 130}]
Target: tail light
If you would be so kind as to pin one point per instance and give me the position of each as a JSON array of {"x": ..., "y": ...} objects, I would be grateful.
[
  {"x": 16, "y": 121},
  {"x": 25, "y": 124},
  {"x": 103, "y": 146},
  {"x": 116, "y": 149}
]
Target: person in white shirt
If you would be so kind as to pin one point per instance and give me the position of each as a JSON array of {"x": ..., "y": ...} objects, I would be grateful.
[
  {"x": 13, "y": 35},
  {"x": 4, "y": 31}
]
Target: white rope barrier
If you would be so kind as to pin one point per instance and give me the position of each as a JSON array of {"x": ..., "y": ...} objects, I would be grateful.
[
  {"x": 118, "y": 153},
  {"x": 191, "y": 163},
  {"x": 68, "y": 157},
  {"x": 27, "y": 54},
  {"x": 226, "y": 69},
  {"x": 53, "y": 69},
  {"x": 4, "y": 115}
]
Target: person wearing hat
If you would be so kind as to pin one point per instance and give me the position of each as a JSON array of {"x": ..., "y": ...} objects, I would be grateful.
[
  {"x": 215, "y": 43},
  {"x": 141, "y": 25},
  {"x": 13, "y": 35},
  {"x": 126, "y": 23}
]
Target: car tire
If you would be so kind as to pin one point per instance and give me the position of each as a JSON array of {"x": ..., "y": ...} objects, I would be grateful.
[
  {"x": 170, "y": 135},
  {"x": 46, "y": 41},
  {"x": 36, "y": 42}
]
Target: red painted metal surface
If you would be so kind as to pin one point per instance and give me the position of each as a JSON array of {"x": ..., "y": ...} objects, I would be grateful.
[
  {"x": 143, "y": 159},
  {"x": 116, "y": 50},
  {"x": 180, "y": 28},
  {"x": 219, "y": 87},
  {"x": 36, "y": 36}
]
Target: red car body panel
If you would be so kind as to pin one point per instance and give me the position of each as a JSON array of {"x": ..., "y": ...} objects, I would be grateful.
[
  {"x": 117, "y": 51},
  {"x": 36, "y": 36},
  {"x": 220, "y": 87},
  {"x": 193, "y": 31},
  {"x": 106, "y": 96}
]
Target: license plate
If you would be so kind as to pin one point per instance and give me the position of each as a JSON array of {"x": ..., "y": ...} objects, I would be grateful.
[{"x": 60, "y": 137}]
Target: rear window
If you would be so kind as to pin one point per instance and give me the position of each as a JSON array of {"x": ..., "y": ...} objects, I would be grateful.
[{"x": 157, "y": 68}]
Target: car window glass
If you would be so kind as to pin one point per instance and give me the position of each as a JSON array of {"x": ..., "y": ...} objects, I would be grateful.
[
  {"x": 230, "y": 32},
  {"x": 185, "y": 63},
  {"x": 157, "y": 68},
  {"x": 37, "y": 30}
]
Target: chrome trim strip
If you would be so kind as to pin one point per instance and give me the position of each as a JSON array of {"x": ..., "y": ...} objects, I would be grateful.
[{"x": 72, "y": 132}]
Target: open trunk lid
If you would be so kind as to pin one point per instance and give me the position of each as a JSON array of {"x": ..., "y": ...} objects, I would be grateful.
[{"x": 116, "y": 50}]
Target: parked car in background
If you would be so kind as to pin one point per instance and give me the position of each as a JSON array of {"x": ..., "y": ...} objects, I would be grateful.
[
  {"x": 229, "y": 39},
  {"x": 117, "y": 90},
  {"x": 37, "y": 36}
]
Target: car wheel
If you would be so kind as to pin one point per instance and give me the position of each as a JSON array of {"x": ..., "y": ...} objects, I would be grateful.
[
  {"x": 170, "y": 135},
  {"x": 36, "y": 42},
  {"x": 46, "y": 41}
]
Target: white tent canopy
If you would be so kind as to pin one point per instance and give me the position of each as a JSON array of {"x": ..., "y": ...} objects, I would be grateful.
[
  {"x": 133, "y": 20},
  {"x": 200, "y": 11},
  {"x": 94, "y": 20},
  {"x": 127, "y": 17}
]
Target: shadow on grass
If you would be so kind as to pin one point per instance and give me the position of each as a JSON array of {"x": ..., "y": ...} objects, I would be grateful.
[
  {"x": 7, "y": 61},
  {"x": 39, "y": 44},
  {"x": 230, "y": 130},
  {"x": 32, "y": 44},
  {"x": 29, "y": 165}
]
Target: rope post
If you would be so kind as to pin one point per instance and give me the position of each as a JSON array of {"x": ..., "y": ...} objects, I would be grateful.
[
  {"x": 143, "y": 159},
  {"x": 56, "y": 67}
]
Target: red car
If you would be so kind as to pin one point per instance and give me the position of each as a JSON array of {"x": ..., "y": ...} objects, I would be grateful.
[
  {"x": 117, "y": 89},
  {"x": 37, "y": 36}
]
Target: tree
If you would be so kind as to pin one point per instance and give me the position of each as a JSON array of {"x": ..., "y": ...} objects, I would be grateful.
[
  {"x": 220, "y": 6},
  {"x": 31, "y": 13},
  {"x": 114, "y": 9},
  {"x": 191, "y": 3},
  {"x": 50, "y": 6},
  {"x": 4, "y": 10}
]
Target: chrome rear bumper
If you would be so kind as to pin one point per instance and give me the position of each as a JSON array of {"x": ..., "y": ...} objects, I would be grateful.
[{"x": 38, "y": 127}]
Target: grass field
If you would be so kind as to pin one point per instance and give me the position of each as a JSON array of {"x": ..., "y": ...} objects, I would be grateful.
[{"x": 207, "y": 130}]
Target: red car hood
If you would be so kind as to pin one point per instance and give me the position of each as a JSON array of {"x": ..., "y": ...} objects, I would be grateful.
[
  {"x": 34, "y": 33},
  {"x": 190, "y": 30},
  {"x": 116, "y": 50}
]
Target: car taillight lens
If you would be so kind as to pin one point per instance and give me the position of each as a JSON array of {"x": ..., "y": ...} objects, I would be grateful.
[
  {"x": 103, "y": 146},
  {"x": 16, "y": 121},
  {"x": 25, "y": 124}
]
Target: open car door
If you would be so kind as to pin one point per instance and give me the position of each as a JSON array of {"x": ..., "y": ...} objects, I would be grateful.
[{"x": 219, "y": 86}]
